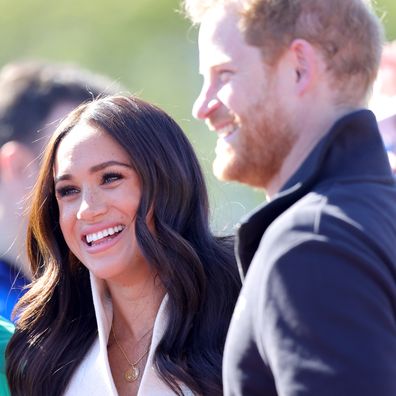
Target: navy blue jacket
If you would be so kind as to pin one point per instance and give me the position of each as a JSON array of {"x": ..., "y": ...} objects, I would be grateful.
[{"x": 317, "y": 311}]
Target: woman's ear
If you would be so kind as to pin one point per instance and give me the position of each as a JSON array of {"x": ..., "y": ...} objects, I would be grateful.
[
  {"x": 15, "y": 158},
  {"x": 150, "y": 219}
]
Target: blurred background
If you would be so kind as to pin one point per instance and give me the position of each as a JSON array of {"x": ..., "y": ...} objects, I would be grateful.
[{"x": 147, "y": 46}]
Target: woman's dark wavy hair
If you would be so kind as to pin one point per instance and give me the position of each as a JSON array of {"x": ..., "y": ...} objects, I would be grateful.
[{"x": 56, "y": 324}]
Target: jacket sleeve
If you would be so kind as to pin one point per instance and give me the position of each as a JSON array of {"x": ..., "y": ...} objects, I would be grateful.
[{"x": 326, "y": 317}]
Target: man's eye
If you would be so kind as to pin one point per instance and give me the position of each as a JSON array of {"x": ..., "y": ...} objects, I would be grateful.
[
  {"x": 66, "y": 191},
  {"x": 111, "y": 177},
  {"x": 225, "y": 75}
]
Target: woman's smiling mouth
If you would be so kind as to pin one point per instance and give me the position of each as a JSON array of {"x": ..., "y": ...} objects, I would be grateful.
[{"x": 98, "y": 237}]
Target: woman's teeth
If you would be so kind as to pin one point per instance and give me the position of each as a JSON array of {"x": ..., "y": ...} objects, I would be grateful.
[{"x": 96, "y": 236}]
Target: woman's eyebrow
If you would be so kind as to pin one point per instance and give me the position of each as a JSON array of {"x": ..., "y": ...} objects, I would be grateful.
[{"x": 93, "y": 169}]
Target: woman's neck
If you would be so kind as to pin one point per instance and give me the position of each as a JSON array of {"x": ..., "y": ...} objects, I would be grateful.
[{"x": 135, "y": 305}]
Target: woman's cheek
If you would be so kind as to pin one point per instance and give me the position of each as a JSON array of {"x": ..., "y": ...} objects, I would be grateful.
[{"x": 66, "y": 224}]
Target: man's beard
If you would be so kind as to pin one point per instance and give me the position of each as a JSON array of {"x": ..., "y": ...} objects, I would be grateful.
[{"x": 264, "y": 141}]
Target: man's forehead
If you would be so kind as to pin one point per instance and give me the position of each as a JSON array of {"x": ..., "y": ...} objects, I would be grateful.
[
  {"x": 219, "y": 37},
  {"x": 197, "y": 10}
]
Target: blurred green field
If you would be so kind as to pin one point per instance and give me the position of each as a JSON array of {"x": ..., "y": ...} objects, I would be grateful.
[{"x": 148, "y": 47}]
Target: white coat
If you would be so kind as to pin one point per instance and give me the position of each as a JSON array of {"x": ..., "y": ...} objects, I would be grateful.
[{"x": 93, "y": 376}]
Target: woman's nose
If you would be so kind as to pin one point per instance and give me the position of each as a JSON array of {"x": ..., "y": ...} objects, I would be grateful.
[{"x": 91, "y": 206}]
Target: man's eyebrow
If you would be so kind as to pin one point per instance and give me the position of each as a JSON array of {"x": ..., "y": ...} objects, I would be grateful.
[
  {"x": 214, "y": 66},
  {"x": 93, "y": 169}
]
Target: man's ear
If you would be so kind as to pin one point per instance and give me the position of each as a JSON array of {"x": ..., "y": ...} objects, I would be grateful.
[
  {"x": 14, "y": 160},
  {"x": 306, "y": 64}
]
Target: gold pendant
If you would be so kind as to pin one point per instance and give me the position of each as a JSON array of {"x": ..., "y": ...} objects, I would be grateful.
[{"x": 132, "y": 374}]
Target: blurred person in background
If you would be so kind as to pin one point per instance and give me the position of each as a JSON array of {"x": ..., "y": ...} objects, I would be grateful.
[
  {"x": 285, "y": 88},
  {"x": 383, "y": 102},
  {"x": 132, "y": 294},
  {"x": 6, "y": 331},
  {"x": 34, "y": 97}
]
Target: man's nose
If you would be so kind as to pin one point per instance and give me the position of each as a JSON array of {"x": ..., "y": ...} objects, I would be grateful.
[{"x": 205, "y": 103}]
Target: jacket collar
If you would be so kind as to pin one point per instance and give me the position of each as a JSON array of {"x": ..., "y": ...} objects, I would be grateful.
[
  {"x": 351, "y": 150},
  {"x": 93, "y": 375}
]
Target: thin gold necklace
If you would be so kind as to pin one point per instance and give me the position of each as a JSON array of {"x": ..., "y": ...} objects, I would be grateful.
[{"x": 133, "y": 372}]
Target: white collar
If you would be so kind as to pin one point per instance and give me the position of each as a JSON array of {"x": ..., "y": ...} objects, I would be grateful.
[{"x": 94, "y": 374}]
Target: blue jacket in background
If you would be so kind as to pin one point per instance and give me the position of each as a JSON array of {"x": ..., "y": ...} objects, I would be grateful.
[{"x": 11, "y": 285}]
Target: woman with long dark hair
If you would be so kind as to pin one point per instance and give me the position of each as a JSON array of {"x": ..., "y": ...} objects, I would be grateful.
[{"x": 132, "y": 294}]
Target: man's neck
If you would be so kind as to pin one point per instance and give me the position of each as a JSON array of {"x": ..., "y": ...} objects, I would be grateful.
[{"x": 309, "y": 132}]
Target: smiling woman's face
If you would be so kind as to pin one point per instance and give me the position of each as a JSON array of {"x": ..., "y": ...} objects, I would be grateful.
[{"x": 98, "y": 193}]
